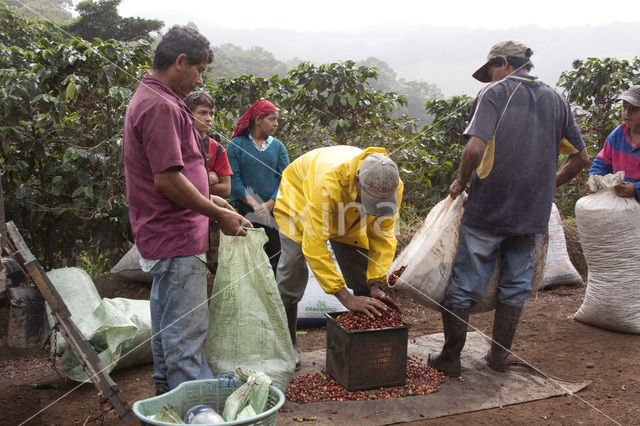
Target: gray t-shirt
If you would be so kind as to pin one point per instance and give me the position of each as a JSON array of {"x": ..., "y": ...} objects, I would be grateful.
[{"x": 524, "y": 121}]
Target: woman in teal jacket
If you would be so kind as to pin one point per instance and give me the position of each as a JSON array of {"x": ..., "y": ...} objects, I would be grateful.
[{"x": 257, "y": 160}]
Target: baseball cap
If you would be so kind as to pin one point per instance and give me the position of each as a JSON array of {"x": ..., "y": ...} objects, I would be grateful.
[
  {"x": 632, "y": 95},
  {"x": 379, "y": 180},
  {"x": 504, "y": 48}
]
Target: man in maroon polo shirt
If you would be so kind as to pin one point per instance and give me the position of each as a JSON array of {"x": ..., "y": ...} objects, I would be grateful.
[{"x": 170, "y": 205}]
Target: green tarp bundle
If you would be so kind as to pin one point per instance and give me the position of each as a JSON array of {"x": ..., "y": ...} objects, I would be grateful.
[{"x": 118, "y": 329}]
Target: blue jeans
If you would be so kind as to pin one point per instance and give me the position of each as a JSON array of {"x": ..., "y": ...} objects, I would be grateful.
[
  {"x": 179, "y": 321},
  {"x": 475, "y": 260}
]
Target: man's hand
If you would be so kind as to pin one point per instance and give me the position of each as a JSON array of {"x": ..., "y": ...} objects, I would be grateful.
[
  {"x": 469, "y": 161},
  {"x": 221, "y": 202},
  {"x": 572, "y": 166},
  {"x": 456, "y": 188},
  {"x": 368, "y": 305},
  {"x": 177, "y": 188},
  {"x": 625, "y": 189},
  {"x": 263, "y": 211},
  {"x": 231, "y": 223},
  {"x": 377, "y": 293}
]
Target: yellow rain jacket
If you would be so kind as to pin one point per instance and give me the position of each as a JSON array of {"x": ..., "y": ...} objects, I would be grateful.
[{"x": 317, "y": 201}]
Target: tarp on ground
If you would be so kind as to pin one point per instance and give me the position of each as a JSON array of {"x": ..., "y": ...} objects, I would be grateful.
[{"x": 481, "y": 389}]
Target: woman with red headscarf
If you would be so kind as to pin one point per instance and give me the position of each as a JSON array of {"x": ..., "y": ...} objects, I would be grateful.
[{"x": 257, "y": 160}]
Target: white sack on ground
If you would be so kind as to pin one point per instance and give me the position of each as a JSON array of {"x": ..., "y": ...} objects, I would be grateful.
[
  {"x": 610, "y": 235},
  {"x": 429, "y": 258},
  {"x": 128, "y": 267},
  {"x": 79, "y": 293},
  {"x": 315, "y": 303},
  {"x": 118, "y": 329},
  {"x": 558, "y": 269}
]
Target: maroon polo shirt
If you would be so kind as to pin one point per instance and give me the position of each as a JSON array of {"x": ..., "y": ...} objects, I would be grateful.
[{"x": 160, "y": 134}]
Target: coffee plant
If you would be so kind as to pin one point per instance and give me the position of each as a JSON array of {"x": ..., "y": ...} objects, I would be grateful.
[{"x": 63, "y": 103}]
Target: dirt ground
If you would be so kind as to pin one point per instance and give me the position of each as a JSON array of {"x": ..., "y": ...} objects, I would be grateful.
[{"x": 31, "y": 392}]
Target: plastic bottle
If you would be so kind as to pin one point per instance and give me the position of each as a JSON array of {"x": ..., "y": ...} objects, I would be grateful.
[{"x": 202, "y": 415}]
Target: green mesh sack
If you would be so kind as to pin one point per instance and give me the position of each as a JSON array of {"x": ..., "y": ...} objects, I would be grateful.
[
  {"x": 119, "y": 330},
  {"x": 247, "y": 322}
]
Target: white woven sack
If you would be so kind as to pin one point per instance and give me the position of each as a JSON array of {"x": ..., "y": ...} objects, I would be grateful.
[
  {"x": 558, "y": 269},
  {"x": 128, "y": 267},
  {"x": 609, "y": 231},
  {"x": 429, "y": 258}
]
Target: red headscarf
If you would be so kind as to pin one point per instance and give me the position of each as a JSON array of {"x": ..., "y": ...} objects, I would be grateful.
[{"x": 258, "y": 109}]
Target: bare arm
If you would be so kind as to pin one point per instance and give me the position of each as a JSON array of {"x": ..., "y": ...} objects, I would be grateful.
[
  {"x": 177, "y": 188},
  {"x": 222, "y": 187},
  {"x": 571, "y": 167},
  {"x": 471, "y": 158}
]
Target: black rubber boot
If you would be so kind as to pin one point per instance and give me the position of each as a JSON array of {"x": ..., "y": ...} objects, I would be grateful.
[
  {"x": 505, "y": 323},
  {"x": 292, "y": 320},
  {"x": 454, "y": 322},
  {"x": 161, "y": 389}
]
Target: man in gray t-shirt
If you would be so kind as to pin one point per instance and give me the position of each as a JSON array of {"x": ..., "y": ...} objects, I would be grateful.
[{"x": 518, "y": 128}]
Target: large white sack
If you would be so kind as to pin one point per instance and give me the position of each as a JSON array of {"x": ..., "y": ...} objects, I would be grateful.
[
  {"x": 610, "y": 234},
  {"x": 80, "y": 295},
  {"x": 558, "y": 269},
  {"x": 429, "y": 258},
  {"x": 315, "y": 303},
  {"x": 129, "y": 267},
  {"x": 118, "y": 329}
]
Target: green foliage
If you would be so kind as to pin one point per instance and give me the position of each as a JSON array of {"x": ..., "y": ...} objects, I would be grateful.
[
  {"x": 18, "y": 30},
  {"x": 593, "y": 86},
  {"x": 337, "y": 98},
  {"x": 429, "y": 159},
  {"x": 100, "y": 19},
  {"x": 232, "y": 61},
  {"x": 62, "y": 120},
  {"x": 319, "y": 105},
  {"x": 55, "y": 10},
  {"x": 64, "y": 102}
]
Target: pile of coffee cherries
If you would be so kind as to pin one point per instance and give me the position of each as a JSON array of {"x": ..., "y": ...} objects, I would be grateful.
[
  {"x": 396, "y": 274},
  {"x": 358, "y": 321},
  {"x": 321, "y": 387}
]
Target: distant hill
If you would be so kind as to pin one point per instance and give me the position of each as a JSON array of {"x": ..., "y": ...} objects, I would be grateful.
[
  {"x": 444, "y": 56},
  {"x": 232, "y": 60}
]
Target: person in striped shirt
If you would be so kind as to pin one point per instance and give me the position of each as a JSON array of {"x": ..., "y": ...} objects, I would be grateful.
[{"x": 621, "y": 151}]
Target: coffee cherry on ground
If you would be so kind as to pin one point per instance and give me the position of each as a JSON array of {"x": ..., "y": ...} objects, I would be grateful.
[
  {"x": 321, "y": 387},
  {"x": 396, "y": 274},
  {"x": 358, "y": 321}
]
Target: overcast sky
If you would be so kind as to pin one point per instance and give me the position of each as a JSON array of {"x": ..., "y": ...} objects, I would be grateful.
[
  {"x": 340, "y": 15},
  {"x": 440, "y": 42}
]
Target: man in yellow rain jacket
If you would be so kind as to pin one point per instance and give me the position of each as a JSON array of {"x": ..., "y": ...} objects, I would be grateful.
[{"x": 349, "y": 197}]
